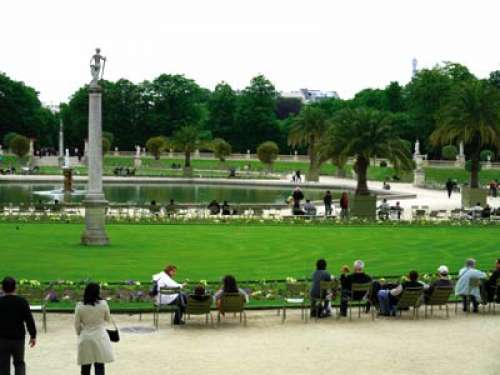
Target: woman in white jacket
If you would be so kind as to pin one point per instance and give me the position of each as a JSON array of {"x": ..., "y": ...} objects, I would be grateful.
[
  {"x": 165, "y": 279},
  {"x": 94, "y": 346}
]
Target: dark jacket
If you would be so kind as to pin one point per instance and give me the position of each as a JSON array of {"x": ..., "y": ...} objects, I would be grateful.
[
  {"x": 317, "y": 276},
  {"x": 14, "y": 314},
  {"x": 327, "y": 199},
  {"x": 355, "y": 278}
]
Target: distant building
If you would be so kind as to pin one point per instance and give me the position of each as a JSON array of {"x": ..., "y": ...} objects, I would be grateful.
[{"x": 310, "y": 96}]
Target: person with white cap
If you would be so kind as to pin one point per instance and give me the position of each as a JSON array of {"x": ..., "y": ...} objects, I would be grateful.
[{"x": 443, "y": 281}]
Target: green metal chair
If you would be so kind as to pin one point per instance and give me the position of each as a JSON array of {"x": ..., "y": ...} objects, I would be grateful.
[
  {"x": 439, "y": 297},
  {"x": 232, "y": 303},
  {"x": 358, "y": 289},
  {"x": 200, "y": 307},
  {"x": 410, "y": 297},
  {"x": 159, "y": 307},
  {"x": 324, "y": 288},
  {"x": 295, "y": 295}
]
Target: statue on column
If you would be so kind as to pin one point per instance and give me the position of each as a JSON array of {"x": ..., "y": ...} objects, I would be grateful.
[{"x": 95, "y": 66}]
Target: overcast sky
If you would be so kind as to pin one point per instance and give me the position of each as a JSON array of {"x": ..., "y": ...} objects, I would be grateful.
[{"x": 322, "y": 44}]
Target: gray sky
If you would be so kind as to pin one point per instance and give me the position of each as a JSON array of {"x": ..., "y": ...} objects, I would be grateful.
[{"x": 319, "y": 44}]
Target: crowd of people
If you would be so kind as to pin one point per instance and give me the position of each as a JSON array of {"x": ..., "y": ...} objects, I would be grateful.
[
  {"x": 92, "y": 314},
  {"x": 385, "y": 295}
]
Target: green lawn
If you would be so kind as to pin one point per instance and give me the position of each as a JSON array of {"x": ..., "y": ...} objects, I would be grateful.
[{"x": 52, "y": 251}]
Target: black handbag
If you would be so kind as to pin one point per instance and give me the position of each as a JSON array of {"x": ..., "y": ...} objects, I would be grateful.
[{"x": 114, "y": 334}]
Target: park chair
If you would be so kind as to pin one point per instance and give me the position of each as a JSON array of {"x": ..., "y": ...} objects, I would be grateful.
[
  {"x": 232, "y": 303},
  {"x": 358, "y": 289},
  {"x": 295, "y": 295},
  {"x": 410, "y": 297},
  {"x": 324, "y": 288},
  {"x": 203, "y": 307},
  {"x": 439, "y": 297},
  {"x": 159, "y": 307},
  {"x": 36, "y": 298}
]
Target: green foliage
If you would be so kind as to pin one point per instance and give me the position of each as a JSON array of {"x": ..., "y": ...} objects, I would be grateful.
[
  {"x": 366, "y": 133},
  {"x": 449, "y": 152},
  {"x": 155, "y": 146},
  {"x": 468, "y": 167},
  {"x": 21, "y": 112},
  {"x": 20, "y": 145},
  {"x": 487, "y": 154},
  {"x": 256, "y": 115},
  {"x": 106, "y": 145},
  {"x": 8, "y": 138},
  {"x": 308, "y": 129},
  {"x": 109, "y": 136},
  {"x": 222, "y": 107},
  {"x": 221, "y": 149},
  {"x": 267, "y": 152},
  {"x": 187, "y": 140},
  {"x": 471, "y": 115}
]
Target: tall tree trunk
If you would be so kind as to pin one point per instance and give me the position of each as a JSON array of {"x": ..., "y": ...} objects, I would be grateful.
[
  {"x": 474, "y": 171},
  {"x": 187, "y": 159},
  {"x": 361, "y": 169},
  {"x": 313, "y": 172}
]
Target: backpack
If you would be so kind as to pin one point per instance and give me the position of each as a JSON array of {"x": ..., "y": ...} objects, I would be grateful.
[{"x": 153, "y": 291}]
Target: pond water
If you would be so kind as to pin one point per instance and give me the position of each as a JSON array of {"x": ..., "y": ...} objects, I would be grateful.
[{"x": 143, "y": 194}]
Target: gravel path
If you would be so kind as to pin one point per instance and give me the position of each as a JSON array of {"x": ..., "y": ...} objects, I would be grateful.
[{"x": 460, "y": 345}]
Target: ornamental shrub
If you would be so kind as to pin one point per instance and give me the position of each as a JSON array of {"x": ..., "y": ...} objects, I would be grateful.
[
  {"x": 449, "y": 152},
  {"x": 485, "y": 153}
]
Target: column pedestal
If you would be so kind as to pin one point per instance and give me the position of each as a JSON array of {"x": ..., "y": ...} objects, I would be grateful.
[{"x": 95, "y": 202}]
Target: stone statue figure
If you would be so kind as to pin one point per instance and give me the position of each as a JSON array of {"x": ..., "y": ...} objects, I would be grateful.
[
  {"x": 66, "y": 158},
  {"x": 137, "y": 151},
  {"x": 417, "y": 147},
  {"x": 95, "y": 66},
  {"x": 461, "y": 147}
]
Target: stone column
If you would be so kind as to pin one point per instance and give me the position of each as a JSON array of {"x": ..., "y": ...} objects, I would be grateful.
[
  {"x": 248, "y": 154},
  {"x": 295, "y": 155},
  {"x": 116, "y": 152},
  {"x": 61, "y": 143},
  {"x": 461, "y": 156},
  {"x": 95, "y": 202}
]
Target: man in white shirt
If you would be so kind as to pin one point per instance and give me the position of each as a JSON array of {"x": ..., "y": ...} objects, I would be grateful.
[
  {"x": 165, "y": 279},
  {"x": 463, "y": 285}
]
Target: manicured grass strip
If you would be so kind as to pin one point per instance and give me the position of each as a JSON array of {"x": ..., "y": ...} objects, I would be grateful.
[{"x": 208, "y": 252}]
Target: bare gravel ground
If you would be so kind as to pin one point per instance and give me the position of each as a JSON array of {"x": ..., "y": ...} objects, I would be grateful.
[{"x": 459, "y": 345}]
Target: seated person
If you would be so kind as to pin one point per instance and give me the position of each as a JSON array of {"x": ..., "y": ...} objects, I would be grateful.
[
  {"x": 384, "y": 208},
  {"x": 309, "y": 208},
  {"x": 398, "y": 209},
  {"x": 200, "y": 294},
  {"x": 462, "y": 289},
  {"x": 491, "y": 284},
  {"x": 296, "y": 210},
  {"x": 442, "y": 281},
  {"x": 226, "y": 209},
  {"x": 165, "y": 279},
  {"x": 229, "y": 285},
  {"x": 486, "y": 213},
  {"x": 170, "y": 208},
  {"x": 56, "y": 207},
  {"x": 39, "y": 206},
  {"x": 321, "y": 274},
  {"x": 476, "y": 211},
  {"x": 386, "y": 186},
  {"x": 358, "y": 277},
  {"x": 388, "y": 298},
  {"x": 214, "y": 208},
  {"x": 232, "y": 172},
  {"x": 154, "y": 208}
]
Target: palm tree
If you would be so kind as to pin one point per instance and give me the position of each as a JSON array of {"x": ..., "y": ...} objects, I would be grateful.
[
  {"x": 364, "y": 133},
  {"x": 471, "y": 116},
  {"x": 187, "y": 140},
  {"x": 307, "y": 130}
]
